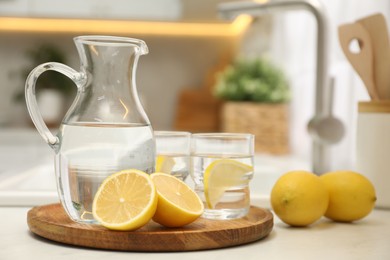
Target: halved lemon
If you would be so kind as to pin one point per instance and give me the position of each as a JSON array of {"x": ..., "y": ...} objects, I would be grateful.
[
  {"x": 178, "y": 204},
  {"x": 164, "y": 164},
  {"x": 221, "y": 175},
  {"x": 126, "y": 200}
]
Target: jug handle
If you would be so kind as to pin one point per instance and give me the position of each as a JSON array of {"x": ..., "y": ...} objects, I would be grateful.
[{"x": 31, "y": 101}]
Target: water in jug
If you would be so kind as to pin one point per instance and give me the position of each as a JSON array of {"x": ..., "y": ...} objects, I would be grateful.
[{"x": 106, "y": 128}]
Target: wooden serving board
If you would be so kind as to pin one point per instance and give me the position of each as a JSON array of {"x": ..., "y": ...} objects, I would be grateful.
[{"x": 51, "y": 222}]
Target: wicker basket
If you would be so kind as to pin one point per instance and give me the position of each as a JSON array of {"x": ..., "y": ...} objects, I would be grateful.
[{"x": 268, "y": 122}]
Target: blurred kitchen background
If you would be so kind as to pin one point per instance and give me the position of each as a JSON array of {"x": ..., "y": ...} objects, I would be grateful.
[{"x": 188, "y": 45}]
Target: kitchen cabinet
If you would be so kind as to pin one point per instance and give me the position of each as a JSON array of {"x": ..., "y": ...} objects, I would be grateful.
[
  {"x": 163, "y": 10},
  {"x": 122, "y": 17}
]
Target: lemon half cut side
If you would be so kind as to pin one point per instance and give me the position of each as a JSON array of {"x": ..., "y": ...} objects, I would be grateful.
[
  {"x": 220, "y": 176},
  {"x": 126, "y": 200}
]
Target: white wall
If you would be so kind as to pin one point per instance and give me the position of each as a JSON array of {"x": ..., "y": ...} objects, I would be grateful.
[{"x": 171, "y": 65}]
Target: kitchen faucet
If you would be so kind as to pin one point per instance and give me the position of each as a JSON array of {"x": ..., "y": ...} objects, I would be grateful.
[{"x": 323, "y": 103}]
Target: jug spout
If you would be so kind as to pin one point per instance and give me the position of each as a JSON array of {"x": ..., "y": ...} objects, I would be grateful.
[
  {"x": 93, "y": 40},
  {"x": 109, "y": 95}
]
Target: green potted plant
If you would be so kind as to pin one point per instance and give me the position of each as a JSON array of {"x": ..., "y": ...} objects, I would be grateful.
[
  {"x": 256, "y": 96},
  {"x": 54, "y": 90}
]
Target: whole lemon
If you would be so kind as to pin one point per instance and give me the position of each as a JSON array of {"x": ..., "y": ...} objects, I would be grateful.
[
  {"x": 351, "y": 195},
  {"x": 299, "y": 198}
]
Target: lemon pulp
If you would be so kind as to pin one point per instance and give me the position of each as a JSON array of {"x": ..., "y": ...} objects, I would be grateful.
[{"x": 126, "y": 200}]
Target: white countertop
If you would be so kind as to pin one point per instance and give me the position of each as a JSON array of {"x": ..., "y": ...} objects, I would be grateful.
[
  {"x": 365, "y": 239},
  {"x": 27, "y": 179}
]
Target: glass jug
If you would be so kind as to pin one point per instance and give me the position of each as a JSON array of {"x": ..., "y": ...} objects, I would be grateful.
[{"x": 106, "y": 128}]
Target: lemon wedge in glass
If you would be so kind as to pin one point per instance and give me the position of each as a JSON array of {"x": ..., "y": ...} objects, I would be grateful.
[
  {"x": 164, "y": 164},
  {"x": 220, "y": 176}
]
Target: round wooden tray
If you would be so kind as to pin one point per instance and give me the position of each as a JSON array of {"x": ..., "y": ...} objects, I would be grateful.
[{"x": 51, "y": 222}]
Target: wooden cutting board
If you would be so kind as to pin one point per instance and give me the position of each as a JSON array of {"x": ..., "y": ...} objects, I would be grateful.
[{"x": 51, "y": 222}]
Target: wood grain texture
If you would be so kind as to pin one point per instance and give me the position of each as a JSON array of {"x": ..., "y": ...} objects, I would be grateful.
[
  {"x": 51, "y": 222},
  {"x": 197, "y": 111},
  {"x": 363, "y": 61},
  {"x": 378, "y": 106},
  {"x": 377, "y": 29}
]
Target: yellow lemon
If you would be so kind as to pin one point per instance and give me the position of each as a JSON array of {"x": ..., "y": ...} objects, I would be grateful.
[
  {"x": 126, "y": 200},
  {"x": 352, "y": 196},
  {"x": 299, "y": 198},
  {"x": 164, "y": 164},
  {"x": 178, "y": 204},
  {"x": 221, "y": 175}
]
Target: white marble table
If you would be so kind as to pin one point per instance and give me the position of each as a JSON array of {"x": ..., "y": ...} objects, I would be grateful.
[{"x": 365, "y": 239}]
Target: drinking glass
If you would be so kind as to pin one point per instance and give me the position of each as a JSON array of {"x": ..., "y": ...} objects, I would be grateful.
[
  {"x": 173, "y": 153},
  {"x": 222, "y": 166}
]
